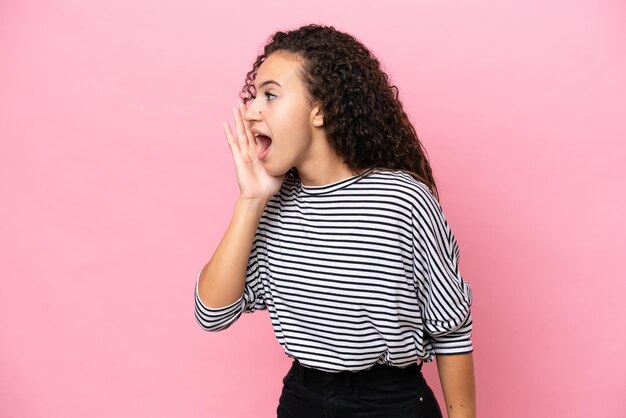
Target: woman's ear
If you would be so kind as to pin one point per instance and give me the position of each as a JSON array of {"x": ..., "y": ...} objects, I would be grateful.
[{"x": 317, "y": 116}]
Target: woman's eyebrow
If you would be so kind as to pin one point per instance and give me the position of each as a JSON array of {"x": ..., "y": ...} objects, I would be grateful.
[{"x": 268, "y": 82}]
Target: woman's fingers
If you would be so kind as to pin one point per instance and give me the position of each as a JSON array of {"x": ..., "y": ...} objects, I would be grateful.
[
  {"x": 242, "y": 137},
  {"x": 238, "y": 140},
  {"x": 241, "y": 140},
  {"x": 229, "y": 136},
  {"x": 249, "y": 143},
  {"x": 252, "y": 143}
]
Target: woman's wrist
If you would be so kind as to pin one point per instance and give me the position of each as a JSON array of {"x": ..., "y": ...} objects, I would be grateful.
[{"x": 256, "y": 204}]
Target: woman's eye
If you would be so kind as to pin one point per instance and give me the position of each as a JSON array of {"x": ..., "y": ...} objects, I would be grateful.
[{"x": 269, "y": 96}]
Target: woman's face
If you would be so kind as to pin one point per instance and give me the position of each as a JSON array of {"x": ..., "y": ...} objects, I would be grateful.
[{"x": 281, "y": 112}]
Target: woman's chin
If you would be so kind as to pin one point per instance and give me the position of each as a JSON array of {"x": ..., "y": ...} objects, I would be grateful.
[{"x": 275, "y": 171}]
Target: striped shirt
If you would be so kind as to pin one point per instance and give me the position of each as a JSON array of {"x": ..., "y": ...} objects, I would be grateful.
[{"x": 361, "y": 271}]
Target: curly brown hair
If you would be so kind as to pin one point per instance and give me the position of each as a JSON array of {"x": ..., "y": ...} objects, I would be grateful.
[{"x": 364, "y": 119}]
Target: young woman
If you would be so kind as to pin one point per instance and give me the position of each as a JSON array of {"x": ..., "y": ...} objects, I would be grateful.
[{"x": 339, "y": 234}]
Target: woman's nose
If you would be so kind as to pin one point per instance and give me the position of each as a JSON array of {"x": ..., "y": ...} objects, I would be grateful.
[{"x": 250, "y": 113}]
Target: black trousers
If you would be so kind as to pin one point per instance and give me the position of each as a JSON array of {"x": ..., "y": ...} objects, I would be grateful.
[{"x": 380, "y": 392}]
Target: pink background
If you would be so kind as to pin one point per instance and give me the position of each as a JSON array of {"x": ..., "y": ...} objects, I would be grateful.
[{"x": 117, "y": 184}]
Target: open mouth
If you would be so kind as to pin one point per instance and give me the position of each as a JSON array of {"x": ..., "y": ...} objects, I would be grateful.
[{"x": 265, "y": 142}]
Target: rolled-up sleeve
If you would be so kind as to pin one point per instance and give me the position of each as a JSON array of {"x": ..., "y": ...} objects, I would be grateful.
[
  {"x": 445, "y": 298},
  {"x": 252, "y": 299}
]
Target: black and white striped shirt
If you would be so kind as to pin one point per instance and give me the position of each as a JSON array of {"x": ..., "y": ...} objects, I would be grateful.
[{"x": 361, "y": 271}]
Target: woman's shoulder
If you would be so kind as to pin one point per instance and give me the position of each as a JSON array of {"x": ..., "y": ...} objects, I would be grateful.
[
  {"x": 402, "y": 182},
  {"x": 425, "y": 207}
]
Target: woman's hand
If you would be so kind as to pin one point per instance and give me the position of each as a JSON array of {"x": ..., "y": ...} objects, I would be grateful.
[{"x": 254, "y": 182}]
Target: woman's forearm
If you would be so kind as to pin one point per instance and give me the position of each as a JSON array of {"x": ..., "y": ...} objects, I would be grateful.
[
  {"x": 456, "y": 373},
  {"x": 222, "y": 280}
]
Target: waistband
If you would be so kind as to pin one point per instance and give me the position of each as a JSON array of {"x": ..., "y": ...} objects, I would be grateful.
[{"x": 318, "y": 378}]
